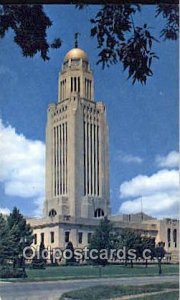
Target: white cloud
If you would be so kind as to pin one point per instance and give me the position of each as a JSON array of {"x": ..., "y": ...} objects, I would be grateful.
[
  {"x": 21, "y": 165},
  {"x": 128, "y": 158},
  {"x": 159, "y": 194},
  {"x": 171, "y": 160},
  {"x": 163, "y": 180},
  {"x": 160, "y": 205},
  {"x": 4, "y": 211}
]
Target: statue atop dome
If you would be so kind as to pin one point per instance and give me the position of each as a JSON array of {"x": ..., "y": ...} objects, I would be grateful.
[
  {"x": 76, "y": 52},
  {"x": 76, "y": 39}
]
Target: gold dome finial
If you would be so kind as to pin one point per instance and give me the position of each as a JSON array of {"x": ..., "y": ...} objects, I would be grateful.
[{"x": 76, "y": 53}]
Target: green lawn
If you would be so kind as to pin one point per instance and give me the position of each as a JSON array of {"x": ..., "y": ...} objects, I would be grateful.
[
  {"x": 83, "y": 272},
  {"x": 78, "y": 272},
  {"x": 107, "y": 292},
  {"x": 163, "y": 296}
]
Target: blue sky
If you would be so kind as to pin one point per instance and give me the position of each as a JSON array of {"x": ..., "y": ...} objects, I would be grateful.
[{"x": 143, "y": 120}]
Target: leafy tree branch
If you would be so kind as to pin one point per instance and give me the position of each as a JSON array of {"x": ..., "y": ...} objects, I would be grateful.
[{"x": 118, "y": 38}]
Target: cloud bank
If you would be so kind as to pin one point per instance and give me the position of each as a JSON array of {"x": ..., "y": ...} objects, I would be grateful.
[
  {"x": 21, "y": 166},
  {"x": 172, "y": 160},
  {"x": 158, "y": 193},
  {"x": 163, "y": 180}
]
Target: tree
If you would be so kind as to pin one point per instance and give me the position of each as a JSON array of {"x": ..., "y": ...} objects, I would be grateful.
[
  {"x": 4, "y": 237},
  {"x": 145, "y": 248},
  {"x": 29, "y": 24},
  {"x": 159, "y": 253},
  {"x": 20, "y": 236},
  {"x": 15, "y": 235},
  {"x": 70, "y": 250},
  {"x": 102, "y": 239},
  {"x": 128, "y": 239},
  {"x": 118, "y": 38},
  {"x": 39, "y": 261},
  {"x": 121, "y": 40}
]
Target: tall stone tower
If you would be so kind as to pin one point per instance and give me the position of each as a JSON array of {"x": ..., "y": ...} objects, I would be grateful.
[{"x": 77, "y": 162}]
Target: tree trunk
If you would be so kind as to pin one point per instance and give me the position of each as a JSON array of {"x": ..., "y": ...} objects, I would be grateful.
[
  {"x": 159, "y": 265},
  {"x": 125, "y": 262},
  {"x": 100, "y": 271},
  {"x": 131, "y": 263},
  {"x": 24, "y": 268},
  {"x": 146, "y": 264},
  {"x": 14, "y": 263}
]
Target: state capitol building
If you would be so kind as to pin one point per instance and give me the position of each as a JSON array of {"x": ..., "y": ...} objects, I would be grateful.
[{"x": 77, "y": 168}]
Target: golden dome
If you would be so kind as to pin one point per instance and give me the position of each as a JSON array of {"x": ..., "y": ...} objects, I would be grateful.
[{"x": 76, "y": 53}]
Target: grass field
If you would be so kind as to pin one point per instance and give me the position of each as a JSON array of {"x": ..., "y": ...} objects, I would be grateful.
[
  {"x": 85, "y": 272},
  {"x": 163, "y": 296},
  {"x": 108, "y": 292},
  {"x": 78, "y": 272}
]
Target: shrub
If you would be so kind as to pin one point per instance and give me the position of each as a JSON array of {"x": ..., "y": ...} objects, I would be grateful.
[
  {"x": 38, "y": 263},
  {"x": 8, "y": 272}
]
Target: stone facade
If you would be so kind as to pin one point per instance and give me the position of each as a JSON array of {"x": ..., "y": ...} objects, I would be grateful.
[{"x": 77, "y": 167}]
